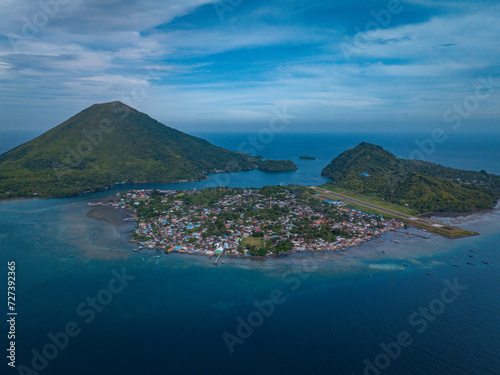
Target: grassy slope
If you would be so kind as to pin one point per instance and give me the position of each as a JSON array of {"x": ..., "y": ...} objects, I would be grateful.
[
  {"x": 423, "y": 186},
  {"x": 137, "y": 148}
]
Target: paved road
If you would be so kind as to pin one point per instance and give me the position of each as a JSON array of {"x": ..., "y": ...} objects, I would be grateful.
[{"x": 394, "y": 213}]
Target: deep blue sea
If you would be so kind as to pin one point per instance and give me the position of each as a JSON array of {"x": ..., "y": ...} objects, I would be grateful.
[{"x": 177, "y": 314}]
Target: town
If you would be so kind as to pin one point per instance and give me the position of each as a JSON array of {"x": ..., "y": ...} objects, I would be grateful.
[{"x": 247, "y": 222}]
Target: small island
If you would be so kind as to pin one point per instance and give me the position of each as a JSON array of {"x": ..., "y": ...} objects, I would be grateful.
[
  {"x": 247, "y": 222},
  {"x": 306, "y": 157},
  {"x": 277, "y": 166}
]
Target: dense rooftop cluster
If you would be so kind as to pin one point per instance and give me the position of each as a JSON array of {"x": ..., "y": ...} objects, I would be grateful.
[{"x": 247, "y": 221}]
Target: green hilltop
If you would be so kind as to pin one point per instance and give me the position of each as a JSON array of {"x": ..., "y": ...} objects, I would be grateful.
[
  {"x": 423, "y": 186},
  {"x": 108, "y": 143},
  {"x": 277, "y": 166}
]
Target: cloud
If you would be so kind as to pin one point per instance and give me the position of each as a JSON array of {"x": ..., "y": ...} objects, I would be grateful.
[{"x": 189, "y": 67}]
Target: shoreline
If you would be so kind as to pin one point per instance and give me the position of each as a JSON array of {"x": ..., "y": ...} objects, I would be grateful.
[
  {"x": 111, "y": 215},
  {"x": 479, "y": 211},
  {"x": 390, "y": 250},
  {"x": 118, "y": 216}
]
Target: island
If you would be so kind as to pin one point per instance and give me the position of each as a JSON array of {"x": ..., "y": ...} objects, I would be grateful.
[
  {"x": 107, "y": 144},
  {"x": 305, "y": 157},
  {"x": 277, "y": 166},
  {"x": 247, "y": 222},
  {"x": 417, "y": 187}
]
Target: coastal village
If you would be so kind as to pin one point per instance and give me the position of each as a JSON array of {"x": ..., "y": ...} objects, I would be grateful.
[{"x": 246, "y": 222}]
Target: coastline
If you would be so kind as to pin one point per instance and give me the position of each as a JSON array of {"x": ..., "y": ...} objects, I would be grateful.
[
  {"x": 479, "y": 211},
  {"x": 119, "y": 216},
  {"x": 114, "y": 216}
]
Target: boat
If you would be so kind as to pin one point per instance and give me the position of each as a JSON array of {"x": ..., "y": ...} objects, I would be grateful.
[
  {"x": 156, "y": 257},
  {"x": 470, "y": 256},
  {"x": 371, "y": 277},
  {"x": 406, "y": 265},
  {"x": 455, "y": 257},
  {"x": 456, "y": 265},
  {"x": 472, "y": 251},
  {"x": 471, "y": 264},
  {"x": 430, "y": 274},
  {"x": 383, "y": 252},
  {"x": 333, "y": 264},
  {"x": 397, "y": 241},
  {"x": 485, "y": 263},
  {"x": 136, "y": 250}
]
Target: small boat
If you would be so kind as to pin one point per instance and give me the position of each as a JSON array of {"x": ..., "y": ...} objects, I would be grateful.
[
  {"x": 430, "y": 274},
  {"x": 383, "y": 252},
  {"x": 371, "y": 277},
  {"x": 470, "y": 256},
  {"x": 355, "y": 257},
  {"x": 136, "y": 250},
  {"x": 397, "y": 241},
  {"x": 455, "y": 257},
  {"x": 472, "y": 251},
  {"x": 333, "y": 264},
  {"x": 156, "y": 257},
  {"x": 223, "y": 262},
  {"x": 471, "y": 264},
  {"x": 456, "y": 265},
  {"x": 406, "y": 265},
  {"x": 485, "y": 263},
  {"x": 346, "y": 257}
]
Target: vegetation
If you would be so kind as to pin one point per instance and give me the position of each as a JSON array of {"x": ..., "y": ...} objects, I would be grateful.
[
  {"x": 273, "y": 219},
  {"x": 277, "y": 166},
  {"x": 421, "y": 186},
  {"x": 366, "y": 204},
  {"x": 108, "y": 143}
]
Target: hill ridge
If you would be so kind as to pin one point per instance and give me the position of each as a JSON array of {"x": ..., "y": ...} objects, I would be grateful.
[
  {"x": 423, "y": 186},
  {"x": 105, "y": 143}
]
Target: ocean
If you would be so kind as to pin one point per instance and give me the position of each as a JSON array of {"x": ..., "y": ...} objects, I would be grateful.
[{"x": 87, "y": 304}]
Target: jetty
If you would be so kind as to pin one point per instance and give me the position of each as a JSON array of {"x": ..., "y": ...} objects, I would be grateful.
[{"x": 218, "y": 257}]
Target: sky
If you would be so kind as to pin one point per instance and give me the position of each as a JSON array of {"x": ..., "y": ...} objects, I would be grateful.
[{"x": 241, "y": 65}]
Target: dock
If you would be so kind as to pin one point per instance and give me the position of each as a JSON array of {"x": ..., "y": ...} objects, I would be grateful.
[{"x": 217, "y": 260}]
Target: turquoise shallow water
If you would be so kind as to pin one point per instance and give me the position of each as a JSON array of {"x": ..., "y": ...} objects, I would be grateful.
[{"x": 172, "y": 316}]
